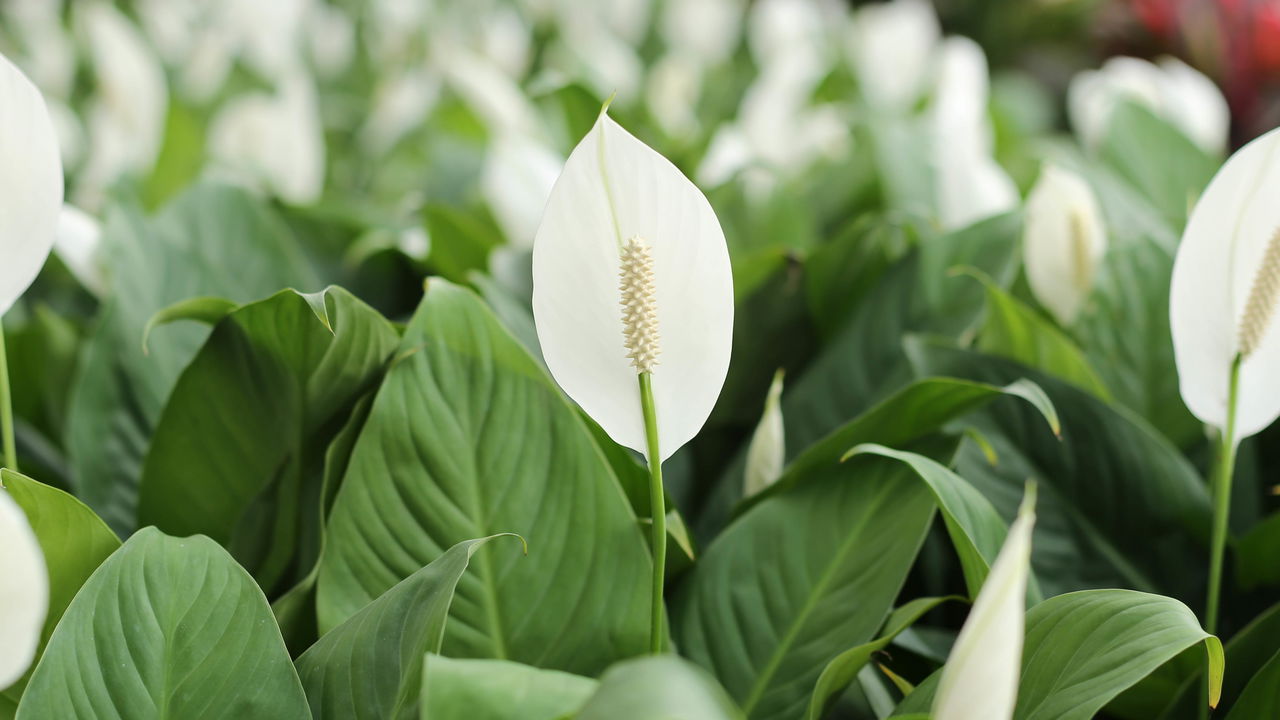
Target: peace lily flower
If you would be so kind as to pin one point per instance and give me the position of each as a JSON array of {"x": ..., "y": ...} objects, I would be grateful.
[
  {"x": 980, "y": 678},
  {"x": 1062, "y": 242},
  {"x": 24, "y": 594},
  {"x": 78, "y": 245},
  {"x": 1172, "y": 89},
  {"x": 1222, "y": 307},
  {"x": 767, "y": 451},
  {"x": 891, "y": 49},
  {"x": 633, "y": 301},
  {"x": 518, "y": 175},
  {"x": 274, "y": 140},
  {"x": 30, "y": 184}
]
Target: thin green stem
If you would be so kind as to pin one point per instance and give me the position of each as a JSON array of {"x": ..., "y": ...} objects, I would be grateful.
[
  {"x": 6, "y": 410},
  {"x": 657, "y": 509},
  {"x": 1222, "y": 501}
]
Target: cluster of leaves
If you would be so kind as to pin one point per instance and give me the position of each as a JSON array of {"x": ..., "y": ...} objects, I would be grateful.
[{"x": 373, "y": 502}]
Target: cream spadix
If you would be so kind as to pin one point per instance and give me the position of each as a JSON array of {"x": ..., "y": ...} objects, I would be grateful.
[
  {"x": 629, "y": 248},
  {"x": 24, "y": 594},
  {"x": 980, "y": 679},
  {"x": 1224, "y": 291},
  {"x": 30, "y": 183}
]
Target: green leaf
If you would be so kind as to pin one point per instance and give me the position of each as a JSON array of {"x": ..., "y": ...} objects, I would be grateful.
[
  {"x": 468, "y": 437},
  {"x": 166, "y": 628},
  {"x": 212, "y": 241},
  {"x": 1015, "y": 331},
  {"x": 799, "y": 578},
  {"x": 207, "y": 310},
  {"x": 664, "y": 687},
  {"x": 181, "y": 155},
  {"x": 1256, "y": 554},
  {"x": 460, "y": 243},
  {"x": 237, "y": 452},
  {"x": 976, "y": 530},
  {"x": 1103, "y": 452},
  {"x": 498, "y": 690},
  {"x": 1261, "y": 697},
  {"x": 370, "y": 666},
  {"x": 74, "y": 542},
  {"x": 42, "y": 355},
  {"x": 841, "y": 671}
]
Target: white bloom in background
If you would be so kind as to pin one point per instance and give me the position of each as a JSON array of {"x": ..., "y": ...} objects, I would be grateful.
[
  {"x": 126, "y": 117},
  {"x": 195, "y": 38},
  {"x": 728, "y": 154},
  {"x": 970, "y": 185},
  {"x": 48, "y": 55},
  {"x": 672, "y": 91},
  {"x": 1172, "y": 90},
  {"x": 78, "y": 244},
  {"x": 705, "y": 31},
  {"x": 30, "y": 187},
  {"x": 490, "y": 93},
  {"x": 275, "y": 141},
  {"x": 270, "y": 34},
  {"x": 71, "y": 133},
  {"x": 331, "y": 37},
  {"x": 768, "y": 449},
  {"x": 400, "y": 103},
  {"x": 605, "y": 62},
  {"x": 1063, "y": 241},
  {"x": 891, "y": 49},
  {"x": 516, "y": 182},
  {"x": 506, "y": 40},
  {"x": 980, "y": 679},
  {"x": 1224, "y": 292},
  {"x": 24, "y": 594},
  {"x": 621, "y": 208}
]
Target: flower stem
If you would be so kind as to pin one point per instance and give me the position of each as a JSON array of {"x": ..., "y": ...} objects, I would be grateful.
[
  {"x": 657, "y": 509},
  {"x": 1222, "y": 501},
  {"x": 6, "y": 411}
]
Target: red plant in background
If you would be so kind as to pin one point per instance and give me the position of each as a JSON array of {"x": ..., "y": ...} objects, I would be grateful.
[{"x": 1235, "y": 41}]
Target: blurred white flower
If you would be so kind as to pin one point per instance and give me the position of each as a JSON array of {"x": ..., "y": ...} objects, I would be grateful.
[
  {"x": 778, "y": 29},
  {"x": 494, "y": 97},
  {"x": 78, "y": 244},
  {"x": 400, "y": 103},
  {"x": 506, "y": 40},
  {"x": 48, "y": 55},
  {"x": 672, "y": 91},
  {"x": 1172, "y": 90},
  {"x": 195, "y": 38},
  {"x": 30, "y": 186},
  {"x": 891, "y": 48},
  {"x": 331, "y": 36},
  {"x": 980, "y": 679},
  {"x": 24, "y": 594},
  {"x": 1224, "y": 292},
  {"x": 1063, "y": 241},
  {"x": 970, "y": 185},
  {"x": 270, "y": 34},
  {"x": 275, "y": 141},
  {"x": 618, "y": 200},
  {"x": 703, "y": 31},
  {"x": 70, "y": 131},
  {"x": 126, "y": 116},
  {"x": 605, "y": 62},
  {"x": 768, "y": 450},
  {"x": 517, "y": 180}
]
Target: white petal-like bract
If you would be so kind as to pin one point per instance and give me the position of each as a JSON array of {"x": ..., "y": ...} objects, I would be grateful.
[
  {"x": 768, "y": 449},
  {"x": 24, "y": 594},
  {"x": 78, "y": 244},
  {"x": 614, "y": 188},
  {"x": 1062, "y": 242},
  {"x": 892, "y": 48},
  {"x": 518, "y": 176},
  {"x": 1223, "y": 254},
  {"x": 980, "y": 679},
  {"x": 30, "y": 183}
]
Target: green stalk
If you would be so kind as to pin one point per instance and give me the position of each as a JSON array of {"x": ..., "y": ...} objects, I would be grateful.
[
  {"x": 657, "y": 509},
  {"x": 6, "y": 410},
  {"x": 1222, "y": 501}
]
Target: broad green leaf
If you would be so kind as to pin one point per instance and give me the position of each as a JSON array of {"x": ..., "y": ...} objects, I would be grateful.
[
  {"x": 799, "y": 578},
  {"x": 468, "y": 437},
  {"x": 1103, "y": 452},
  {"x": 1017, "y": 332},
  {"x": 212, "y": 241},
  {"x": 1084, "y": 648},
  {"x": 207, "y": 310},
  {"x": 664, "y": 687},
  {"x": 840, "y": 273},
  {"x": 74, "y": 542},
  {"x": 237, "y": 452},
  {"x": 166, "y": 628},
  {"x": 1256, "y": 554},
  {"x": 370, "y": 666},
  {"x": 498, "y": 690},
  {"x": 181, "y": 155},
  {"x": 460, "y": 243},
  {"x": 842, "y": 670},
  {"x": 976, "y": 530},
  {"x": 42, "y": 354},
  {"x": 1261, "y": 697}
]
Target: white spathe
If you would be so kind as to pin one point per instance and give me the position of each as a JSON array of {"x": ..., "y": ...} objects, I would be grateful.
[
  {"x": 768, "y": 449},
  {"x": 613, "y": 188},
  {"x": 891, "y": 49},
  {"x": 1218, "y": 260},
  {"x": 980, "y": 678},
  {"x": 706, "y": 30},
  {"x": 275, "y": 141},
  {"x": 518, "y": 175},
  {"x": 1173, "y": 90},
  {"x": 78, "y": 244},
  {"x": 24, "y": 594},
  {"x": 1063, "y": 241},
  {"x": 30, "y": 184}
]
